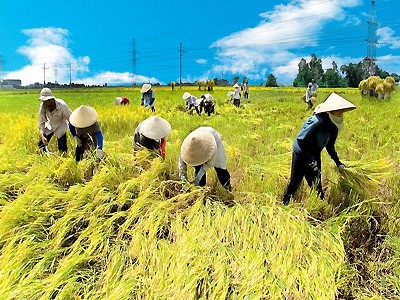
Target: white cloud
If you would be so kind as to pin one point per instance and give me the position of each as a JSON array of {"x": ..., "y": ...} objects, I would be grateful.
[
  {"x": 285, "y": 29},
  {"x": 115, "y": 78},
  {"x": 387, "y": 38},
  {"x": 201, "y": 61},
  {"x": 48, "y": 48}
]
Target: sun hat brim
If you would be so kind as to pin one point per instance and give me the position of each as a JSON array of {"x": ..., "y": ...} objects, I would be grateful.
[
  {"x": 334, "y": 102},
  {"x": 198, "y": 147},
  {"x": 84, "y": 116},
  {"x": 145, "y": 88},
  {"x": 186, "y": 95},
  {"x": 155, "y": 128}
]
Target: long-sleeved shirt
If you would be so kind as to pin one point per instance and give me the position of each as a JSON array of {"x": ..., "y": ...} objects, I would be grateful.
[
  {"x": 218, "y": 159},
  {"x": 54, "y": 121},
  {"x": 90, "y": 136},
  {"x": 318, "y": 132},
  {"x": 192, "y": 101},
  {"x": 236, "y": 94},
  {"x": 148, "y": 98},
  {"x": 308, "y": 94}
]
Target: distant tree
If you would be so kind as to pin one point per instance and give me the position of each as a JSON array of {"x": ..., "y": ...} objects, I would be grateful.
[
  {"x": 382, "y": 74},
  {"x": 333, "y": 79},
  {"x": 235, "y": 80},
  {"x": 354, "y": 73},
  {"x": 316, "y": 68},
  {"x": 271, "y": 81},
  {"x": 304, "y": 76},
  {"x": 395, "y": 77}
]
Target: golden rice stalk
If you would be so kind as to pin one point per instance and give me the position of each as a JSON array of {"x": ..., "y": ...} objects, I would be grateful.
[{"x": 364, "y": 178}]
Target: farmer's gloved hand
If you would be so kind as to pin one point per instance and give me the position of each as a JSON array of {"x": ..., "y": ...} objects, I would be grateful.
[
  {"x": 185, "y": 185},
  {"x": 314, "y": 166},
  {"x": 78, "y": 141},
  {"x": 341, "y": 166},
  {"x": 99, "y": 153}
]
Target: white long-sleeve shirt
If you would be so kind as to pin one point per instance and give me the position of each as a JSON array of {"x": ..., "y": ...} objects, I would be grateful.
[
  {"x": 54, "y": 121},
  {"x": 218, "y": 159}
]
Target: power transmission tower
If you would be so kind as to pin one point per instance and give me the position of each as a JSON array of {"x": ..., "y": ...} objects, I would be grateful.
[
  {"x": 44, "y": 74},
  {"x": 70, "y": 75},
  {"x": 55, "y": 74},
  {"x": 134, "y": 61},
  {"x": 181, "y": 51},
  {"x": 372, "y": 41}
]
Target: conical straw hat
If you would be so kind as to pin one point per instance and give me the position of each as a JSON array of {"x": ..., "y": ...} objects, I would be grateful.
[
  {"x": 198, "y": 147},
  {"x": 186, "y": 95},
  {"x": 83, "y": 116},
  {"x": 334, "y": 102},
  {"x": 155, "y": 128},
  {"x": 236, "y": 85},
  {"x": 117, "y": 101},
  {"x": 145, "y": 87}
]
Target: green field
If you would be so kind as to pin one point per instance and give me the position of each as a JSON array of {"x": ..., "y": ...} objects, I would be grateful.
[{"x": 122, "y": 228}]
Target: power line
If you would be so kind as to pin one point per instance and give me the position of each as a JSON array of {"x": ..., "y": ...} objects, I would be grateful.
[
  {"x": 181, "y": 51},
  {"x": 134, "y": 61}
]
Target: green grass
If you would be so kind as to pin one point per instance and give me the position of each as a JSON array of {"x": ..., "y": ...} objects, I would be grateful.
[{"x": 122, "y": 229}]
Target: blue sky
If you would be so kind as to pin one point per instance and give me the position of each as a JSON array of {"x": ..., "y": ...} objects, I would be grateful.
[{"x": 92, "y": 40}]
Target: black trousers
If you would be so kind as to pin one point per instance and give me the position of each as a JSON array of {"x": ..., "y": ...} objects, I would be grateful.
[
  {"x": 223, "y": 176},
  {"x": 61, "y": 142},
  {"x": 300, "y": 169},
  {"x": 236, "y": 102}
]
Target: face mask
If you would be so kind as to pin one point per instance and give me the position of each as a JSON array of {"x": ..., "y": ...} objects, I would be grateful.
[{"x": 338, "y": 121}]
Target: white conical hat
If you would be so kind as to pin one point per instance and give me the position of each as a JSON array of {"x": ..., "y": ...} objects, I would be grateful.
[
  {"x": 84, "y": 116},
  {"x": 236, "y": 85},
  {"x": 155, "y": 128},
  {"x": 198, "y": 147},
  {"x": 334, "y": 102},
  {"x": 145, "y": 87},
  {"x": 117, "y": 101},
  {"x": 186, "y": 95}
]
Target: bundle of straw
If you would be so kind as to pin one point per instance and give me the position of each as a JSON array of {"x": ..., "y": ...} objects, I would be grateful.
[{"x": 364, "y": 178}]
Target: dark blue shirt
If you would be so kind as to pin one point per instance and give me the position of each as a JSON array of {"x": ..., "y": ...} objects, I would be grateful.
[{"x": 318, "y": 132}]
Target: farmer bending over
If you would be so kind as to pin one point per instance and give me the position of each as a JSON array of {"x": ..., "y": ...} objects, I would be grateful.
[{"x": 318, "y": 132}]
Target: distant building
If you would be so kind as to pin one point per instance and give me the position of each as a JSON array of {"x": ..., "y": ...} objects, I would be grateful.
[{"x": 10, "y": 83}]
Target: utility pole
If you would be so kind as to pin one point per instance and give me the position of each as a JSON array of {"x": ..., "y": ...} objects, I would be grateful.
[
  {"x": 180, "y": 64},
  {"x": 134, "y": 61},
  {"x": 44, "y": 74}
]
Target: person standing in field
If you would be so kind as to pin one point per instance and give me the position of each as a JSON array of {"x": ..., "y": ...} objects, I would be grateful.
[
  {"x": 152, "y": 134},
  {"x": 318, "y": 132},
  {"x": 236, "y": 95},
  {"x": 191, "y": 102},
  {"x": 245, "y": 88},
  {"x": 53, "y": 119},
  {"x": 203, "y": 149},
  {"x": 148, "y": 96},
  {"x": 88, "y": 132},
  {"x": 309, "y": 99},
  {"x": 314, "y": 87}
]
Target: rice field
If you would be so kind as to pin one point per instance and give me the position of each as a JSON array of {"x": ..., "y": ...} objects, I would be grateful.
[{"x": 122, "y": 228}]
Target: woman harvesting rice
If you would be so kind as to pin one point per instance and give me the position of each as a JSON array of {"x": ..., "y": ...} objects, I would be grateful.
[{"x": 318, "y": 132}]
